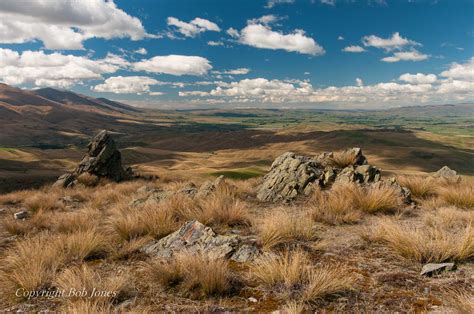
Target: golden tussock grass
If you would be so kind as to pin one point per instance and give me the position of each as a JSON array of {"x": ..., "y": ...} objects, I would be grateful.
[
  {"x": 87, "y": 307},
  {"x": 461, "y": 300},
  {"x": 292, "y": 274},
  {"x": 440, "y": 238},
  {"x": 346, "y": 202},
  {"x": 85, "y": 218},
  {"x": 30, "y": 264},
  {"x": 335, "y": 207},
  {"x": 153, "y": 220},
  {"x": 39, "y": 221},
  {"x": 460, "y": 195},
  {"x": 84, "y": 244},
  {"x": 375, "y": 199},
  {"x": 420, "y": 187},
  {"x": 293, "y": 307},
  {"x": 343, "y": 159},
  {"x": 43, "y": 201},
  {"x": 282, "y": 226},
  {"x": 195, "y": 276},
  {"x": 104, "y": 290}
]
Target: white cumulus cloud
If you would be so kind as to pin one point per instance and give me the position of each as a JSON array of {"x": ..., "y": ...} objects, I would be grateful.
[
  {"x": 353, "y": 49},
  {"x": 418, "y": 78},
  {"x": 194, "y": 27},
  {"x": 413, "y": 55},
  {"x": 65, "y": 24},
  {"x": 388, "y": 44},
  {"x": 463, "y": 71},
  {"x": 126, "y": 85},
  {"x": 175, "y": 65},
  {"x": 262, "y": 36},
  {"x": 271, "y": 3},
  {"x": 54, "y": 69}
]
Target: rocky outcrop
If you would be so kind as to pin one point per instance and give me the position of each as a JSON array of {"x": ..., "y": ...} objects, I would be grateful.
[
  {"x": 447, "y": 174},
  {"x": 436, "y": 268},
  {"x": 195, "y": 238},
  {"x": 292, "y": 175},
  {"x": 103, "y": 160}
]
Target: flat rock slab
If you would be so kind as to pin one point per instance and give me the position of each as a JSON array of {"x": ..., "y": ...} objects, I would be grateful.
[
  {"x": 195, "y": 238},
  {"x": 435, "y": 268}
]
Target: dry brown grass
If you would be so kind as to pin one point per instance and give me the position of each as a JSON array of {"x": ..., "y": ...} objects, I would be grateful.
[
  {"x": 292, "y": 276},
  {"x": 195, "y": 276},
  {"x": 30, "y": 264},
  {"x": 439, "y": 238},
  {"x": 43, "y": 201},
  {"x": 87, "y": 307},
  {"x": 39, "y": 221},
  {"x": 83, "y": 278},
  {"x": 328, "y": 279},
  {"x": 282, "y": 226},
  {"x": 84, "y": 244},
  {"x": 420, "y": 187},
  {"x": 88, "y": 180},
  {"x": 335, "y": 207},
  {"x": 294, "y": 307},
  {"x": 153, "y": 220},
  {"x": 343, "y": 159},
  {"x": 460, "y": 195},
  {"x": 84, "y": 219},
  {"x": 377, "y": 199},
  {"x": 461, "y": 300}
]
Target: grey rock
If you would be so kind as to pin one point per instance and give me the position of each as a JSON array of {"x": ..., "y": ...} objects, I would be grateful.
[
  {"x": 153, "y": 196},
  {"x": 210, "y": 186},
  {"x": 21, "y": 215},
  {"x": 190, "y": 189},
  {"x": 289, "y": 176},
  {"x": 102, "y": 159},
  {"x": 195, "y": 238},
  {"x": 367, "y": 173},
  {"x": 405, "y": 194},
  {"x": 67, "y": 180},
  {"x": 447, "y": 173},
  {"x": 245, "y": 252},
  {"x": 435, "y": 268}
]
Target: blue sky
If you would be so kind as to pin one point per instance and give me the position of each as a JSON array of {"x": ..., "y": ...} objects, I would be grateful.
[{"x": 269, "y": 53}]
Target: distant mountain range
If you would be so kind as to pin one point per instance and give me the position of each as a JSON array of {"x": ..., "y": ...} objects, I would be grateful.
[{"x": 29, "y": 115}]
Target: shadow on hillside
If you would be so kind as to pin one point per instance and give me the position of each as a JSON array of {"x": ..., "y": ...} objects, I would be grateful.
[{"x": 400, "y": 148}]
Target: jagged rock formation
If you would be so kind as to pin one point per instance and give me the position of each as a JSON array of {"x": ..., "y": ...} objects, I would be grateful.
[
  {"x": 447, "y": 173},
  {"x": 292, "y": 175},
  {"x": 148, "y": 195},
  {"x": 103, "y": 160},
  {"x": 196, "y": 238}
]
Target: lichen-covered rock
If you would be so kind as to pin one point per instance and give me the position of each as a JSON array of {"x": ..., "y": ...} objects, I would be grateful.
[
  {"x": 66, "y": 180},
  {"x": 292, "y": 175},
  {"x": 447, "y": 174},
  {"x": 210, "y": 186},
  {"x": 405, "y": 194},
  {"x": 102, "y": 160},
  {"x": 289, "y": 176},
  {"x": 195, "y": 238}
]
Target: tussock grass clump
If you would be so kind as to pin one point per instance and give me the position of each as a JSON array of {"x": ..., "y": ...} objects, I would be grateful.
[
  {"x": 438, "y": 239},
  {"x": 88, "y": 307},
  {"x": 31, "y": 264},
  {"x": 36, "y": 223},
  {"x": 347, "y": 202},
  {"x": 281, "y": 226},
  {"x": 105, "y": 290},
  {"x": 292, "y": 275},
  {"x": 84, "y": 244},
  {"x": 336, "y": 206},
  {"x": 43, "y": 201},
  {"x": 375, "y": 199},
  {"x": 195, "y": 276},
  {"x": 343, "y": 159},
  {"x": 419, "y": 187},
  {"x": 461, "y": 300},
  {"x": 84, "y": 219},
  {"x": 460, "y": 195},
  {"x": 153, "y": 220}
]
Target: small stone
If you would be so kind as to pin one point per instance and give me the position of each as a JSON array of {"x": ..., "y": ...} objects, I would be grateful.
[
  {"x": 253, "y": 300},
  {"x": 447, "y": 173},
  {"x": 21, "y": 215},
  {"x": 435, "y": 268}
]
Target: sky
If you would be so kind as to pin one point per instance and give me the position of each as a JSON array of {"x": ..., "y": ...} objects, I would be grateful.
[{"x": 171, "y": 54}]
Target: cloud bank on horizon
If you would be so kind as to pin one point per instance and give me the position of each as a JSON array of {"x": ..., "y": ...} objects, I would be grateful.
[{"x": 272, "y": 53}]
